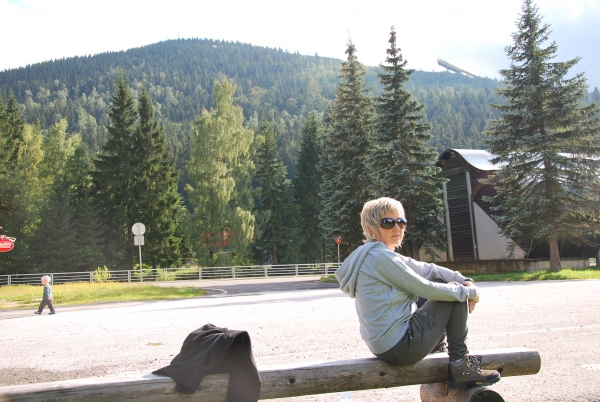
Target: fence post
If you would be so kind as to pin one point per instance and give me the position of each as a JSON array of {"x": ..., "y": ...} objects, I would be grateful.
[
  {"x": 296, "y": 267},
  {"x": 232, "y": 272},
  {"x": 91, "y": 277},
  {"x": 128, "y": 276},
  {"x": 199, "y": 272},
  {"x": 265, "y": 267},
  {"x": 326, "y": 269},
  {"x": 52, "y": 279},
  {"x": 9, "y": 279}
]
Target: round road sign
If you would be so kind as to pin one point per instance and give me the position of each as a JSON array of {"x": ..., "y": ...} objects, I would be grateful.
[{"x": 138, "y": 229}]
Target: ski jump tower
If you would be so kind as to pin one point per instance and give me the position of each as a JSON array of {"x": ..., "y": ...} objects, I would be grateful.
[{"x": 454, "y": 69}]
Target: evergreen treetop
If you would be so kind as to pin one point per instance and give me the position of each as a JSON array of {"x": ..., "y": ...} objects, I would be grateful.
[
  {"x": 347, "y": 143},
  {"x": 305, "y": 190},
  {"x": 546, "y": 141},
  {"x": 158, "y": 204},
  {"x": 402, "y": 158},
  {"x": 275, "y": 215},
  {"x": 114, "y": 175}
]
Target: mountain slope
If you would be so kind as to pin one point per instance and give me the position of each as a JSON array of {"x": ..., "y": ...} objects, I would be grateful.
[{"x": 179, "y": 75}]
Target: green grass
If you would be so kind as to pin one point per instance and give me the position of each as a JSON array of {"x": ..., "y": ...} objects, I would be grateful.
[
  {"x": 565, "y": 274},
  {"x": 29, "y": 296}
]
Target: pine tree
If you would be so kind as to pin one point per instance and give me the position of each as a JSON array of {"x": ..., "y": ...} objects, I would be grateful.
[
  {"x": 67, "y": 237},
  {"x": 343, "y": 164},
  {"x": 222, "y": 224},
  {"x": 76, "y": 181},
  {"x": 596, "y": 95},
  {"x": 113, "y": 176},
  {"x": 53, "y": 248},
  {"x": 6, "y": 143},
  {"x": 402, "y": 160},
  {"x": 157, "y": 202},
  {"x": 305, "y": 189},
  {"x": 546, "y": 141},
  {"x": 274, "y": 213},
  {"x": 15, "y": 126}
]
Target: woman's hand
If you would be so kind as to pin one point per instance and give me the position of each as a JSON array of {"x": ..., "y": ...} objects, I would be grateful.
[{"x": 471, "y": 302}]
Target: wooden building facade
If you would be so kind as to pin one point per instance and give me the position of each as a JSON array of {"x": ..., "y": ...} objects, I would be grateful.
[{"x": 472, "y": 233}]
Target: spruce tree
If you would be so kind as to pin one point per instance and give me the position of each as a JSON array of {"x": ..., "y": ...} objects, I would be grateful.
[
  {"x": 67, "y": 236},
  {"x": 6, "y": 143},
  {"x": 275, "y": 231},
  {"x": 596, "y": 95},
  {"x": 402, "y": 160},
  {"x": 15, "y": 126},
  {"x": 305, "y": 190},
  {"x": 76, "y": 181},
  {"x": 346, "y": 145},
  {"x": 53, "y": 247},
  {"x": 157, "y": 202},
  {"x": 113, "y": 176},
  {"x": 546, "y": 141}
]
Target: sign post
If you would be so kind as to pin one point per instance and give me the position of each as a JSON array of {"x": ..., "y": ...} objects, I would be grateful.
[
  {"x": 138, "y": 230},
  {"x": 338, "y": 240}
]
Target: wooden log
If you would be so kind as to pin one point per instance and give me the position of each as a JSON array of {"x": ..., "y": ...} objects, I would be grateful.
[
  {"x": 279, "y": 381},
  {"x": 438, "y": 392}
]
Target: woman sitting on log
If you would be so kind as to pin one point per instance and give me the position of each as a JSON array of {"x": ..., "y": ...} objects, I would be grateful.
[{"x": 386, "y": 287}]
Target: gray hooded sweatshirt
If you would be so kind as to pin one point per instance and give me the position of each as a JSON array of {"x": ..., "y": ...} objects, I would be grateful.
[{"x": 385, "y": 286}]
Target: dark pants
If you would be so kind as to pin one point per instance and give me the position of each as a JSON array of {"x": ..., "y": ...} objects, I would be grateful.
[
  {"x": 44, "y": 303},
  {"x": 426, "y": 329}
]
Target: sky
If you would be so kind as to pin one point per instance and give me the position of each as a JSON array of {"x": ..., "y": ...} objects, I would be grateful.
[{"x": 470, "y": 34}]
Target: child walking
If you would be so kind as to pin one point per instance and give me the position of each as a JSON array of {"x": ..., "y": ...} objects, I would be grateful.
[{"x": 47, "y": 298}]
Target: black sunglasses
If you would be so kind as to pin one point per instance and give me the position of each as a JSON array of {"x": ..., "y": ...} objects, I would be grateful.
[{"x": 389, "y": 223}]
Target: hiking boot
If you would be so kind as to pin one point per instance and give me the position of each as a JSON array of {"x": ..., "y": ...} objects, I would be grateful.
[
  {"x": 467, "y": 373},
  {"x": 37, "y": 312},
  {"x": 52, "y": 313}
]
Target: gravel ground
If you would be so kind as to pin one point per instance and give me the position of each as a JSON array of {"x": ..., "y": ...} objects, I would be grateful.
[{"x": 559, "y": 319}]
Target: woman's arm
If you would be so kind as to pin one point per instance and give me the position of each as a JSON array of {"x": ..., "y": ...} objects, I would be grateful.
[
  {"x": 391, "y": 269},
  {"x": 431, "y": 271}
]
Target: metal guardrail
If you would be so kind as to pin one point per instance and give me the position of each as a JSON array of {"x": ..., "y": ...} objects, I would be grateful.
[{"x": 174, "y": 274}]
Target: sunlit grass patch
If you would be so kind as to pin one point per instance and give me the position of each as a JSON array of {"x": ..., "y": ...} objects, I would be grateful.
[
  {"x": 28, "y": 296},
  {"x": 564, "y": 274}
]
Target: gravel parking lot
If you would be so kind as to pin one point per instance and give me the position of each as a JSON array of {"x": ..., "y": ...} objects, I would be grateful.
[{"x": 300, "y": 320}]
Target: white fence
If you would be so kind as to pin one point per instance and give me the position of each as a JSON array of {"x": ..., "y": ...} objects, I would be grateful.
[{"x": 175, "y": 274}]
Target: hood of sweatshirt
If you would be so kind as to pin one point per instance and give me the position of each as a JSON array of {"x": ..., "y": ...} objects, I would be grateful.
[{"x": 347, "y": 273}]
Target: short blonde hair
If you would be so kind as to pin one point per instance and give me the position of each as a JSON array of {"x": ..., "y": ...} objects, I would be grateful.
[
  {"x": 46, "y": 278},
  {"x": 374, "y": 210}
]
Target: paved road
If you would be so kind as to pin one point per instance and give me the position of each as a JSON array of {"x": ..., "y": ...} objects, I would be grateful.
[
  {"x": 214, "y": 288},
  {"x": 301, "y": 320}
]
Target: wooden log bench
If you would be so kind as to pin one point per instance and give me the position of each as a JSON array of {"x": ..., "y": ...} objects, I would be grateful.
[{"x": 283, "y": 381}]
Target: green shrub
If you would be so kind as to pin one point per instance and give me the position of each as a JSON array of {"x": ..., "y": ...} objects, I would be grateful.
[{"x": 102, "y": 274}]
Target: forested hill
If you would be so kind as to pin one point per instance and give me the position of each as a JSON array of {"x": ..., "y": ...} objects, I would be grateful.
[{"x": 179, "y": 75}]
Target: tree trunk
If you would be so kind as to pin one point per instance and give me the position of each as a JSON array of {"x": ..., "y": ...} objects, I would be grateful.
[
  {"x": 439, "y": 393},
  {"x": 414, "y": 249},
  {"x": 554, "y": 254}
]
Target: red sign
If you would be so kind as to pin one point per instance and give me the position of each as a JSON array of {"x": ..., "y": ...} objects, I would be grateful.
[
  {"x": 338, "y": 239},
  {"x": 6, "y": 243}
]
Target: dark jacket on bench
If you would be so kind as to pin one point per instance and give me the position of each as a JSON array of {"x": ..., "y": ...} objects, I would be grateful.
[{"x": 214, "y": 350}]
